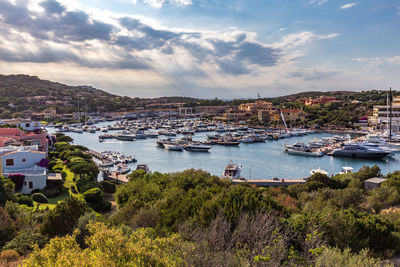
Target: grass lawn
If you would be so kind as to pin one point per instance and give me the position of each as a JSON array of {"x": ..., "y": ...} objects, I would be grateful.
[{"x": 52, "y": 201}]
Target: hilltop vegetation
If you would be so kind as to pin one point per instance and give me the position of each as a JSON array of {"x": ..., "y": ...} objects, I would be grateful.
[{"x": 19, "y": 93}]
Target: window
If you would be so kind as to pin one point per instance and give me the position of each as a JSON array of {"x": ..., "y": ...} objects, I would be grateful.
[
  {"x": 25, "y": 183},
  {"x": 9, "y": 162},
  {"x": 36, "y": 124},
  {"x": 23, "y": 160},
  {"x": 27, "y": 125},
  {"x": 30, "y": 184}
]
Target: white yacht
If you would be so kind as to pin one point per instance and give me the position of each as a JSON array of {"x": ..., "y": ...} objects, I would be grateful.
[
  {"x": 140, "y": 134},
  {"x": 197, "y": 148},
  {"x": 143, "y": 167},
  {"x": 302, "y": 149},
  {"x": 232, "y": 171},
  {"x": 122, "y": 168},
  {"x": 346, "y": 170},
  {"x": 173, "y": 147},
  {"x": 314, "y": 171}
]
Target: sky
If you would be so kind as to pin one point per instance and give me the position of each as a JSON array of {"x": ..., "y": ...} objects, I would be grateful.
[{"x": 204, "y": 48}]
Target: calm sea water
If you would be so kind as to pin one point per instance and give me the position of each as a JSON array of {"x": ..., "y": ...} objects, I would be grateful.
[{"x": 259, "y": 160}]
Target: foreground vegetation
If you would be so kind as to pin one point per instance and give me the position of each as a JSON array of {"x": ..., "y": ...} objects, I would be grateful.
[{"x": 192, "y": 218}]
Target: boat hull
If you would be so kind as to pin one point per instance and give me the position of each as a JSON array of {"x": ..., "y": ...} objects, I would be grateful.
[
  {"x": 360, "y": 155},
  {"x": 304, "y": 153}
]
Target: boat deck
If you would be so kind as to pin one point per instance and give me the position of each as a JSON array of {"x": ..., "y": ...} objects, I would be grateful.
[{"x": 268, "y": 182}]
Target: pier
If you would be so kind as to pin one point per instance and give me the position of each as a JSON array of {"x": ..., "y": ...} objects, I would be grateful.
[
  {"x": 268, "y": 182},
  {"x": 112, "y": 175},
  {"x": 98, "y": 156}
]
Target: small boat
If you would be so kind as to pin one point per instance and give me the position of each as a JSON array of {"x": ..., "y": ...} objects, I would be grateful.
[
  {"x": 197, "y": 148},
  {"x": 302, "y": 149},
  {"x": 346, "y": 170},
  {"x": 173, "y": 147},
  {"x": 143, "y": 167},
  {"x": 151, "y": 135},
  {"x": 106, "y": 136},
  {"x": 106, "y": 164},
  {"x": 232, "y": 171},
  {"x": 140, "y": 134},
  {"x": 314, "y": 171},
  {"x": 125, "y": 136},
  {"x": 122, "y": 168},
  {"x": 228, "y": 143}
]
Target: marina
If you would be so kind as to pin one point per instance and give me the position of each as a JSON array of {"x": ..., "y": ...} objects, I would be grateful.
[{"x": 259, "y": 159}]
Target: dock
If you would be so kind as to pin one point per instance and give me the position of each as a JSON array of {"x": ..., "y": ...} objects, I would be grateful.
[
  {"x": 98, "y": 156},
  {"x": 112, "y": 175},
  {"x": 268, "y": 182}
]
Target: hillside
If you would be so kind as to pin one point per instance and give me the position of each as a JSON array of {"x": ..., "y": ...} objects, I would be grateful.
[{"x": 29, "y": 93}]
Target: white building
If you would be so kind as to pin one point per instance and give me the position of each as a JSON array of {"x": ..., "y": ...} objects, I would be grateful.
[
  {"x": 381, "y": 113},
  {"x": 23, "y": 160},
  {"x": 24, "y": 124}
]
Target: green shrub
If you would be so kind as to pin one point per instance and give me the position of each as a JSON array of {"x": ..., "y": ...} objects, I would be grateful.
[
  {"x": 39, "y": 197},
  {"x": 35, "y": 191},
  {"x": 27, "y": 200},
  {"x": 24, "y": 241},
  {"x": 84, "y": 184},
  {"x": 51, "y": 192},
  {"x": 101, "y": 205},
  {"x": 63, "y": 218},
  {"x": 93, "y": 195},
  {"x": 108, "y": 186}
]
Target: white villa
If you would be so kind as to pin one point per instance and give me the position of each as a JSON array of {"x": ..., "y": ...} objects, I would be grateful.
[{"x": 23, "y": 160}]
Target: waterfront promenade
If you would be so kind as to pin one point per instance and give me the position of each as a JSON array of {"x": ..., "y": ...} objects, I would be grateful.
[{"x": 268, "y": 182}]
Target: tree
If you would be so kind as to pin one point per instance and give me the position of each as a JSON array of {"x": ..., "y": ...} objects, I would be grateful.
[
  {"x": 3, "y": 193},
  {"x": 89, "y": 170},
  {"x": 63, "y": 218}
]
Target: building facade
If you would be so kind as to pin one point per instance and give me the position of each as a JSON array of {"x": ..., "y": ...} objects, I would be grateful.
[
  {"x": 381, "y": 113},
  {"x": 24, "y": 161}
]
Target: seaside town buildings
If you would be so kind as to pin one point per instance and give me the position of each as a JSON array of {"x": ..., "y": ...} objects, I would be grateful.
[
  {"x": 21, "y": 154},
  {"x": 320, "y": 100},
  {"x": 381, "y": 114}
]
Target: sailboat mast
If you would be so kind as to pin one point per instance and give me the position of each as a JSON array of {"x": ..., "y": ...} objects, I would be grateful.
[{"x": 390, "y": 115}]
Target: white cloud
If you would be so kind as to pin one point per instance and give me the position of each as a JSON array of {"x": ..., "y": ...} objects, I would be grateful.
[
  {"x": 378, "y": 61},
  {"x": 160, "y": 3},
  {"x": 398, "y": 10},
  {"x": 318, "y": 2},
  {"x": 295, "y": 40},
  {"x": 142, "y": 58},
  {"x": 349, "y": 5}
]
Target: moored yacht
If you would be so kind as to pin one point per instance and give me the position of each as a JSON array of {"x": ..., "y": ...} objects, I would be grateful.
[
  {"x": 232, "y": 171},
  {"x": 315, "y": 171},
  {"x": 358, "y": 151},
  {"x": 198, "y": 148},
  {"x": 302, "y": 149},
  {"x": 173, "y": 147}
]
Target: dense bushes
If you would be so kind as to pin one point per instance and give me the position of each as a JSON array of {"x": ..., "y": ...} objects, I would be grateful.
[
  {"x": 190, "y": 195},
  {"x": 108, "y": 186},
  {"x": 93, "y": 195},
  {"x": 27, "y": 200},
  {"x": 63, "y": 218},
  {"x": 40, "y": 198}
]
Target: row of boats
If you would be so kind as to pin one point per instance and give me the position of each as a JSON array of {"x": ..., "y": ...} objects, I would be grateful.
[
  {"x": 111, "y": 158},
  {"x": 181, "y": 144},
  {"x": 370, "y": 147}
]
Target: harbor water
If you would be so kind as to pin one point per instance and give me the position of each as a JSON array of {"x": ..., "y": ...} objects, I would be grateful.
[{"x": 259, "y": 160}]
